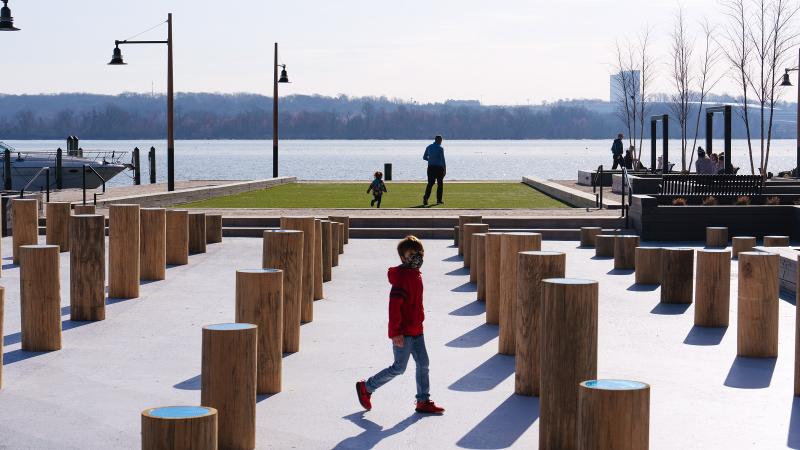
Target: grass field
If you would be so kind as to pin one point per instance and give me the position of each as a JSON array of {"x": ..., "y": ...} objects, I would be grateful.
[{"x": 400, "y": 195}]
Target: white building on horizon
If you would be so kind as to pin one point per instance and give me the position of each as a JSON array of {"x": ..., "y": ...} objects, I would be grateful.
[{"x": 632, "y": 77}]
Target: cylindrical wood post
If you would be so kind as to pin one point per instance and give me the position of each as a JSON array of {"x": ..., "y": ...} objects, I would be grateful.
[
  {"x": 197, "y": 232},
  {"x": 57, "y": 224},
  {"x": 455, "y": 235},
  {"x": 713, "y": 290},
  {"x": 776, "y": 241},
  {"x": 604, "y": 245},
  {"x": 510, "y": 245},
  {"x": 259, "y": 300},
  {"x": 177, "y": 237},
  {"x": 213, "y": 228},
  {"x": 283, "y": 249},
  {"x": 796, "y": 330},
  {"x": 613, "y": 415},
  {"x": 569, "y": 356},
  {"x": 625, "y": 251},
  {"x": 306, "y": 225},
  {"x": 25, "y": 224},
  {"x": 123, "y": 251},
  {"x": 318, "y": 292},
  {"x": 153, "y": 244},
  {"x": 228, "y": 381},
  {"x": 179, "y": 428},
  {"x": 326, "y": 250},
  {"x": 743, "y": 244},
  {"x": 344, "y": 220},
  {"x": 716, "y": 237},
  {"x": 533, "y": 267},
  {"x": 479, "y": 265},
  {"x": 677, "y": 270},
  {"x": 87, "y": 267},
  {"x": 463, "y": 220},
  {"x": 2, "y": 308},
  {"x": 757, "y": 325},
  {"x": 336, "y": 236},
  {"x": 469, "y": 230},
  {"x": 492, "y": 265},
  {"x": 648, "y": 265},
  {"x": 84, "y": 209},
  {"x": 588, "y": 235},
  {"x": 341, "y": 237},
  {"x": 40, "y": 297}
]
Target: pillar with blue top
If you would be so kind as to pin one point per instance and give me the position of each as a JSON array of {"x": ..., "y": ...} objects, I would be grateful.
[{"x": 179, "y": 428}]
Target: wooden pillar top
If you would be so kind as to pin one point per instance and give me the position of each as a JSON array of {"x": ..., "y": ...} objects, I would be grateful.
[
  {"x": 716, "y": 228},
  {"x": 268, "y": 270},
  {"x": 540, "y": 253},
  {"x": 568, "y": 280},
  {"x": 179, "y": 412},
  {"x": 232, "y": 326},
  {"x": 615, "y": 385}
]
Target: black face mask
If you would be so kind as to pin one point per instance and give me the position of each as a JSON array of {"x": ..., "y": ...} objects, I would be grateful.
[{"x": 414, "y": 261}]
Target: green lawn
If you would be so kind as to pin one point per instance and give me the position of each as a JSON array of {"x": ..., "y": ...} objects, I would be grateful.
[{"x": 400, "y": 195}]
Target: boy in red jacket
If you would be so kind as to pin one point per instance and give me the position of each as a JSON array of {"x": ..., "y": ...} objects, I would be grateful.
[{"x": 406, "y": 314}]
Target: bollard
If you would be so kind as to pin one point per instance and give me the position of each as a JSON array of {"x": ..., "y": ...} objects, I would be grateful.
[
  {"x": 387, "y": 171},
  {"x": 604, "y": 245},
  {"x": 228, "y": 381},
  {"x": 84, "y": 209},
  {"x": 346, "y": 221},
  {"x": 479, "y": 263},
  {"x": 463, "y": 220},
  {"x": 57, "y": 224},
  {"x": 137, "y": 167},
  {"x": 569, "y": 356},
  {"x": 510, "y": 245},
  {"x": 713, "y": 290},
  {"x": 336, "y": 236},
  {"x": 213, "y": 228},
  {"x": 151, "y": 158},
  {"x": 677, "y": 270},
  {"x": 153, "y": 244},
  {"x": 743, "y": 244},
  {"x": 177, "y": 235},
  {"x": 197, "y": 232},
  {"x": 87, "y": 267},
  {"x": 492, "y": 264},
  {"x": 776, "y": 241},
  {"x": 25, "y": 224},
  {"x": 757, "y": 324},
  {"x": 625, "y": 251},
  {"x": 469, "y": 230},
  {"x": 259, "y": 300},
  {"x": 123, "y": 251},
  {"x": 326, "y": 251},
  {"x": 716, "y": 237},
  {"x": 40, "y": 297},
  {"x": 648, "y": 265},
  {"x": 283, "y": 250},
  {"x": 318, "y": 291},
  {"x": 179, "y": 428},
  {"x": 533, "y": 267},
  {"x": 306, "y": 225},
  {"x": 613, "y": 415},
  {"x": 588, "y": 235}
]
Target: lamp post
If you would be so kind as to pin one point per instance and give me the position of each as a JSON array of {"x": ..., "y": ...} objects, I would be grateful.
[
  {"x": 116, "y": 60},
  {"x": 282, "y": 79},
  {"x": 787, "y": 82},
  {"x": 6, "y": 20}
]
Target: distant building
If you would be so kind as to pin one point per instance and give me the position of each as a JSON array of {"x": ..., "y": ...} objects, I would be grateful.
[{"x": 632, "y": 77}]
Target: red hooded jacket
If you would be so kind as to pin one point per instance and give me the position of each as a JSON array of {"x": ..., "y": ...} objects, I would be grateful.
[{"x": 406, "y": 312}]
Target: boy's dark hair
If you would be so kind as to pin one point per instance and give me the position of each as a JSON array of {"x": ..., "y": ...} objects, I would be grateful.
[
  {"x": 379, "y": 174},
  {"x": 409, "y": 243}
]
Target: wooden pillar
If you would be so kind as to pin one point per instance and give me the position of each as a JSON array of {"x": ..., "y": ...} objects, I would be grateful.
[
  {"x": 2, "y": 307},
  {"x": 318, "y": 292},
  {"x": 776, "y": 241},
  {"x": 716, "y": 237},
  {"x": 326, "y": 250},
  {"x": 57, "y": 224},
  {"x": 648, "y": 265},
  {"x": 625, "y": 251},
  {"x": 604, "y": 245},
  {"x": 283, "y": 249},
  {"x": 479, "y": 265},
  {"x": 463, "y": 220},
  {"x": 213, "y": 228},
  {"x": 743, "y": 244},
  {"x": 613, "y": 415},
  {"x": 179, "y": 428},
  {"x": 455, "y": 235},
  {"x": 123, "y": 251},
  {"x": 84, "y": 209},
  {"x": 40, "y": 297},
  {"x": 87, "y": 267},
  {"x": 341, "y": 237},
  {"x": 569, "y": 356},
  {"x": 588, "y": 235},
  {"x": 796, "y": 331},
  {"x": 228, "y": 381},
  {"x": 469, "y": 257},
  {"x": 197, "y": 232},
  {"x": 492, "y": 264},
  {"x": 757, "y": 325},
  {"x": 306, "y": 225},
  {"x": 259, "y": 300},
  {"x": 510, "y": 245},
  {"x": 25, "y": 224},
  {"x": 153, "y": 244},
  {"x": 713, "y": 290},
  {"x": 677, "y": 271},
  {"x": 533, "y": 267},
  {"x": 344, "y": 220},
  {"x": 177, "y": 237},
  {"x": 336, "y": 235}
]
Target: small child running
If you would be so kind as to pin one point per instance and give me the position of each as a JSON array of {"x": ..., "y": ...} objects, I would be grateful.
[
  {"x": 406, "y": 315},
  {"x": 377, "y": 187}
]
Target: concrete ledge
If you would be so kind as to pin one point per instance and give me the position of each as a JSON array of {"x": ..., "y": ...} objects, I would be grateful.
[
  {"x": 787, "y": 268},
  {"x": 557, "y": 234},
  {"x": 572, "y": 197},
  {"x": 443, "y": 222}
]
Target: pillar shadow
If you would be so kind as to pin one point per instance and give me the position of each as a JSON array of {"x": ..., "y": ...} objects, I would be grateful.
[
  {"x": 466, "y": 287},
  {"x": 453, "y": 258},
  {"x": 620, "y": 272},
  {"x": 459, "y": 271},
  {"x": 503, "y": 426},
  {"x": 476, "y": 308},
  {"x": 475, "y": 337},
  {"x": 114, "y": 300},
  {"x": 486, "y": 376},
  {"x": 793, "y": 440},
  {"x": 10, "y": 266},
  {"x": 261, "y": 397},
  {"x": 373, "y": 433},
  {"x": 19, "y": 355},
  {"x": 636, "y": 287},
  {"x": 788, "y": 297},
  {"x": 66, "y": 310},
  {"x": 68, "y": 324},
  {"x": 705, "y": 335},
  {"x": 670, "y": 309},
  {"x": 750, "y": 373},
  {"x": 602, "y": 258},
  {"x": 190, "y": 384}
]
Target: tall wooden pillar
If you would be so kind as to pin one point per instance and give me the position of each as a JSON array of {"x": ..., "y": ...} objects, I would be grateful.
[
  {"x": 57, "y": 224},
  {"x": 625, "y": 251},
  {"x": 306, "y": 225},
  {"x": 479, "y": 265},
  {"x": 648, "y": 265},
  {"x": 336, "y": 236},
  {"x": 213, "y": 228},
  {"x": 40, "y": 297},
  {"x": 713, "y": 291},
  {"x": 716, "y": 237},
  {"x": 318, "y": 291},
  {"x": 510, "y": 245},
  {"x": 283, "y": 249},
  {"x": 87, "y": 265},
  {"x": 341, "y": 237},
  {"x": 757, "y": 325},
  {"x": 179, "y": 428},
  {"x": 177, "y": 237},
  {"x": 677, "y": 271},
  {"x": 588, "y": 235},
  {"x": 123, "y": 251},
  {"x": 463, "y": 220},
  {"x": 743, "y": 244},
  {"x": 344, "y": 220},
  {"x": 613, "y": 415},
  {"x": 84, "y": 209},
  {"x": 326, "y": 251},
  {"x": 153, "y": 244},
  {"x": 796, "y": 331},
  {"x": 492, "y": 264},
  {"x": 197, "y": 232},
  {"x": 469, "y": 230},
  {"x": 25, "y": 224}
]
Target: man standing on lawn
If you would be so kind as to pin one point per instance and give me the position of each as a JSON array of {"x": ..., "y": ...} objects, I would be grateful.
[{"x": 437, "y": 168}]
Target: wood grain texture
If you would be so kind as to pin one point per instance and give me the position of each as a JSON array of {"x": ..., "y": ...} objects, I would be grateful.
[
  {"x": 2, "y": 310},
  {"x": 197, "y": 232},
  {"x": 84, "y": 209},
  {"x": 648, "y": 265},
  {"x": 326, "y": 251},
  {"x": 713, "y": 291},
  {"x": 479, "y": 254},
  {"x": 716, "y": 237},
  {"x": 213, "y": 228},
  {"x": 604, "y": 245},
  {"x": 625, "y": 251},
  {"x": 177, "y": 237},
  {"x": 283, "y": 249},
  {"x": 189, "y": 433},
  {"x": 677, "y": 272},
  {"x": 40, "y": 297},
  {"x": 742, "y": 244},
  {"x": 87, "y": 264},
  {"x": 344, "y": 220},
  {"x": 25, "y": 224},
  {"x": 319, "y": 294},
  {"x": 306, "y": 225},
  {"x": 123, "y": 251},
  {"x": 510, "y": 245},
  {"x": 796, "y": 332},
  {"x": 492, "y": 263},
  {"x": 776, "y": 241},
  {"x": 153, "y": 244},
  {"x": 336, "y": 236},
  {"x": 469, "y": 230},
  {"x": 341, "y": 237},
  {"x": 462, "y": 220},
  {"x": 613, "y": 419},
  {"x": 757, "y": 324},
  {"x": 57, "y": 224},
  {"x": 588, "y": 235}
]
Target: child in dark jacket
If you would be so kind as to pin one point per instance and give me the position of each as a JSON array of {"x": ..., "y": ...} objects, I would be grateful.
[
  {"x": 377, "y": 187},
  {"x": 406, "y": 314}
]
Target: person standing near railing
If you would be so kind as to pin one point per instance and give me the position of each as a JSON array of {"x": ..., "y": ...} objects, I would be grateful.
[{"x": 616, "y": 152}]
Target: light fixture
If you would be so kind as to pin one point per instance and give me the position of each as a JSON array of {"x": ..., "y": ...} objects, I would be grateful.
[
  {"x": 786, "y": 81},
  {"x": 116, "y": 58},
  {"x": 6, "y": 20},
  {"x": 284, "y": 77}
]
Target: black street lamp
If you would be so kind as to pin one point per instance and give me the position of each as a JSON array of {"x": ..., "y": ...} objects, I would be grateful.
[
  {"x": 6, "y": 20},
  {"x": 116, "y": 60},
  {"x": 282, "y": 79},
  {"x": 787, "y": 82}
]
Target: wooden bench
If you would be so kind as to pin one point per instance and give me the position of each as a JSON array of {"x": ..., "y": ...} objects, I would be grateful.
[{"x": 696, "y": 186}]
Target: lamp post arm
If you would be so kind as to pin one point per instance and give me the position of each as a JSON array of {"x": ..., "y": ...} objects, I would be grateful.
[{"x": 118, "y": 43}]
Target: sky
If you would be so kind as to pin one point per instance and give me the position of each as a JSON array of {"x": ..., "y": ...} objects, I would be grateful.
[{"x": 495, "y": 51}]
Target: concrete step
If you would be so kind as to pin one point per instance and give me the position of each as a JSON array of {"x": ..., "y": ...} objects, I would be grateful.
[
  {"x": 563, "y": 234},
  {"x": 444, "y": 222}
]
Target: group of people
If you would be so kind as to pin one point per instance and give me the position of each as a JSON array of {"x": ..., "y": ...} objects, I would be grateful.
[
  {"x": 628, "y": 161},
  {"x": 709, "y": 164}
]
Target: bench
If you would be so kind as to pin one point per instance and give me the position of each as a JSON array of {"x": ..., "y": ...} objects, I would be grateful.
[{"x": 693, "y": 186}]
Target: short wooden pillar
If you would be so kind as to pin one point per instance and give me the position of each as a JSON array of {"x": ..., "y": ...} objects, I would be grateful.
[
  {"x": 492, "y": 265},
  {"x": 469, "y": 230},
  {"x": 569, "y": 356},
  {"x": 283, "y": 249},
  {"x": 228, "y": 381},
  {"x": 153, "y": 244},
  {"x": 713, "y": 291},
  {"x": 455, "y": 235},
  {"x": 336, "y": 236},
  {"x": 344, "y": 220},
  {"x": 757, "y": 324},
  {"x": 533, "y": 267},
  {"x": 84, "y": 209},
  {"x": 613, "y": 415},
  {"x": 588, "y": 235},
  {"x": 326, "y": 251},
  {"x": 342, "y": 233},
  {"x": 213, "y": 228},
  {"x": 57, "y": 224},
  {"x": 625, "y": 251},
  {"x": 648, "y": 265},
  {"x": 479, "y": 263},
  {"x": 25, "y": 224},
  {"x": 179, "y": 428},
  {"x": 259, "y": 300},
  {"x": 677, "y": 271},
  {"x": 87, "y": 267},
  {"x": 604, "y": 245},
  {"x": 177, "y": 237},
  {"x": 510, "y": 245},
  {"x": 318, "y": 291},
  {"x": 306, "y": 225},
  {"x": 2, "y": 308},
  {"x": 463, "y": 220},
  {"x": 776, "y": 241},
  {"x": 123, "y": 251},
  {"x": 716, "y": 237},
  {"x": 742, "y": 244},
  {"x": 197, "y": 232},
  {"x": 40, "y": 297}
]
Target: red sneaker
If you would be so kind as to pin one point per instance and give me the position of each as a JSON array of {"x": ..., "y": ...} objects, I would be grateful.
[
  {"x": 428, "y": 407},
  {"x": 363, "y": 395}
]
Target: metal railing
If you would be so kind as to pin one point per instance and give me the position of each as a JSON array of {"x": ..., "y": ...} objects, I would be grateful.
[
  {"x": 46, "y": 170},
  {"x": 87, "y": 167},
  {"x": 597, "y": 179},
  {"x": 626, "y": 205}
]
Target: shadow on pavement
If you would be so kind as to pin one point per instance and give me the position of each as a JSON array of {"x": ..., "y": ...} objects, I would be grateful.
[
  {"x": 793, "y": 440},
  {"x": 486, "y": 376},
  {"x": 476, "y": 308},
  {"x": 750, "y": 373},
  {"x": 475, "y": 337},
  {"x": 670, "y": 309},
  {"x": 460, "y": 271},
  {"x": 620, "y": 272},
  {"x": 453, "y": 258},
  {"x": 636, "y": 287},
  {"x": 503, "y": 426},
  {"x": 705, "y": 335},
  {"x": 466, "y": 287},
  {"x": 192, "y": 384},
  {"x": 373, "y": 433}
]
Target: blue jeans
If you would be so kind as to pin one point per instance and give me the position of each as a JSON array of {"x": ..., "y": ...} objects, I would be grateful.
[{"x": 412, "y": 346}]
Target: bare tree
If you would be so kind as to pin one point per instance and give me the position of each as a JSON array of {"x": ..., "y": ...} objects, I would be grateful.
[
  {"x": 624, "y": 83},
  {"x": 647, "y": 76},
  {"x": 681, "y": 54},
  {"x": 707, "y": 78}
]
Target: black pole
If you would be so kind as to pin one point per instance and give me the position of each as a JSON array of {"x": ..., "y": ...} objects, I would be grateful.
[
  {"x": 152, "y": 158},
  {"x": 665, "y": 141},
  {"x": 137, "y": 167},
  {"x": 275, "y": 117},
  {"x": 47, "y": 182},
  {"x": 170, "y": 111},
  {"x": 7, "y": 169},
  {"x": 59, "y": 169},
  {"x": 728, "y": 131},
  {"x": 387, "y": 171},
  {"x": 653, "y": 138},
  {"x": 84, "y": 184},
  {"x": 709, "y": 132}
]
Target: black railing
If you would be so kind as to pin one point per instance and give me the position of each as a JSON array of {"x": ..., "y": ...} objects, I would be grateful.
[
  {"x": 46, "y": 170},
  {"x": 597, "y": 179},
  {"x": 626, "y": 204},
  {"x": 86, "y": 168}
]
